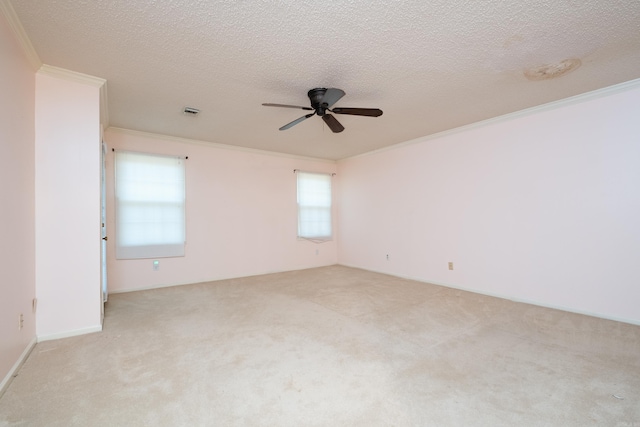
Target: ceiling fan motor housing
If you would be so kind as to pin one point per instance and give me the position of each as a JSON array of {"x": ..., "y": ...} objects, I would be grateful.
[{"x": 316, "y": 95}]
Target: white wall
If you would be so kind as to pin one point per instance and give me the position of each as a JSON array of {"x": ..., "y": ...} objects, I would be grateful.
[
  {"x": 17, "y": 189},
  {"x": 541, "y": 207},
  {"x": 241, "y": 215},
  {"x": 67, "y": 155}
]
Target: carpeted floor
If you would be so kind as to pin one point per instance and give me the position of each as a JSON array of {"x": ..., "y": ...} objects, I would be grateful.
[{"x": 332, "y": 346}]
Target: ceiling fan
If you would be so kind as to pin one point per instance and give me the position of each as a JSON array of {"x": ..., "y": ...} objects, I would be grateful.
[{"x": 321, "y": 102}]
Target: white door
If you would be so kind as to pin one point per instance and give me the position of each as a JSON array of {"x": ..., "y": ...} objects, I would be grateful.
[{"x": 103, "y": 222}]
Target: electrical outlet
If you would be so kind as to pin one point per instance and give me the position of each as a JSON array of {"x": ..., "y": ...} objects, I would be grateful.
[
  {"x": 450, "y": 266},
  {"x": 387, "y": 257},
  {"x": 20, "y": 321},
  {"x": 156, "y": 265},
  {"x": 317, "y": 251}
]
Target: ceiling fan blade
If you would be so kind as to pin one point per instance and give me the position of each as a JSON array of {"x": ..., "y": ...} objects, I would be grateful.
[
  {"x": 288, "y": 106},
  {"x": 331, "y": 96},
  {"x": 370, "y": 112},
  {"x": 296, "y": 121},
  {"x": 333, "y": 123}
]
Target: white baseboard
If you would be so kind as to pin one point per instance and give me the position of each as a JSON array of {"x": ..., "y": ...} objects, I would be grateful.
[
  {"x": 68, "y": 334},
  {"x": 507, "y": 297},
  {"x": 215, "y": 279},
  {"x": 7, "y": 379}
]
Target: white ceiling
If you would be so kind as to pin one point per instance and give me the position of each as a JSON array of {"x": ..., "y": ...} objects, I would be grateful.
[{"x": 429, "y": 65}]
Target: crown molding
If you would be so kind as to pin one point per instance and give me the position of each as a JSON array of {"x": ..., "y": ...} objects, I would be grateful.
[
  {"x": 572, "y": 100},
  {"x": 21, "y": 35},
  {"x": 73, "y": 76},
  {"x": 215, "y": 145}
]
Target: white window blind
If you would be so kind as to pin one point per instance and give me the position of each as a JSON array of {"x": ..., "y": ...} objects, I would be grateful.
[
  {"x": 150, "y": 205},
  {"x": 314, "y": 205}
]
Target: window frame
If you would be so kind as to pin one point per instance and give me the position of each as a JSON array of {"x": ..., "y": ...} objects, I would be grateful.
[
  {"x": 325, "y": 205},
  {"x": 172, "y": 246}
]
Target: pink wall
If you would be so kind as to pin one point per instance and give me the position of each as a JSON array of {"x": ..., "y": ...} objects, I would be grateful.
[
  {"x": 67, "y": 153},
  {"x": 542, "y": 208},
  {"x": 241, "y": 215},
  {"x": 17, "y": 233}
]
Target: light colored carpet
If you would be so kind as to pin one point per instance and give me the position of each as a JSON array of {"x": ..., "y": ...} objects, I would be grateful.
[{"x": 332, "y": 346}]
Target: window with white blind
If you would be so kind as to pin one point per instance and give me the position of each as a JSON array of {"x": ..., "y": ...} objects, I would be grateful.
[
  {"x": 314, "y": 206},
  {"x": 150, "y": 205}
]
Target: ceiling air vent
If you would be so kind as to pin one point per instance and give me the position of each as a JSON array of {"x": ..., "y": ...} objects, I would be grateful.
[{"x": 188, "y": 111}]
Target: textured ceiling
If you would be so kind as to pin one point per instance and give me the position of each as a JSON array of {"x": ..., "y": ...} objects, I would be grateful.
[{"x": 429, "y": 65}]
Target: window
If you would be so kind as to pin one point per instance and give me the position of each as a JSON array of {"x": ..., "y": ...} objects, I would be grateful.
[
  {"x": 314, "y": 205},
  {"x": 150, "y": 205}
]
